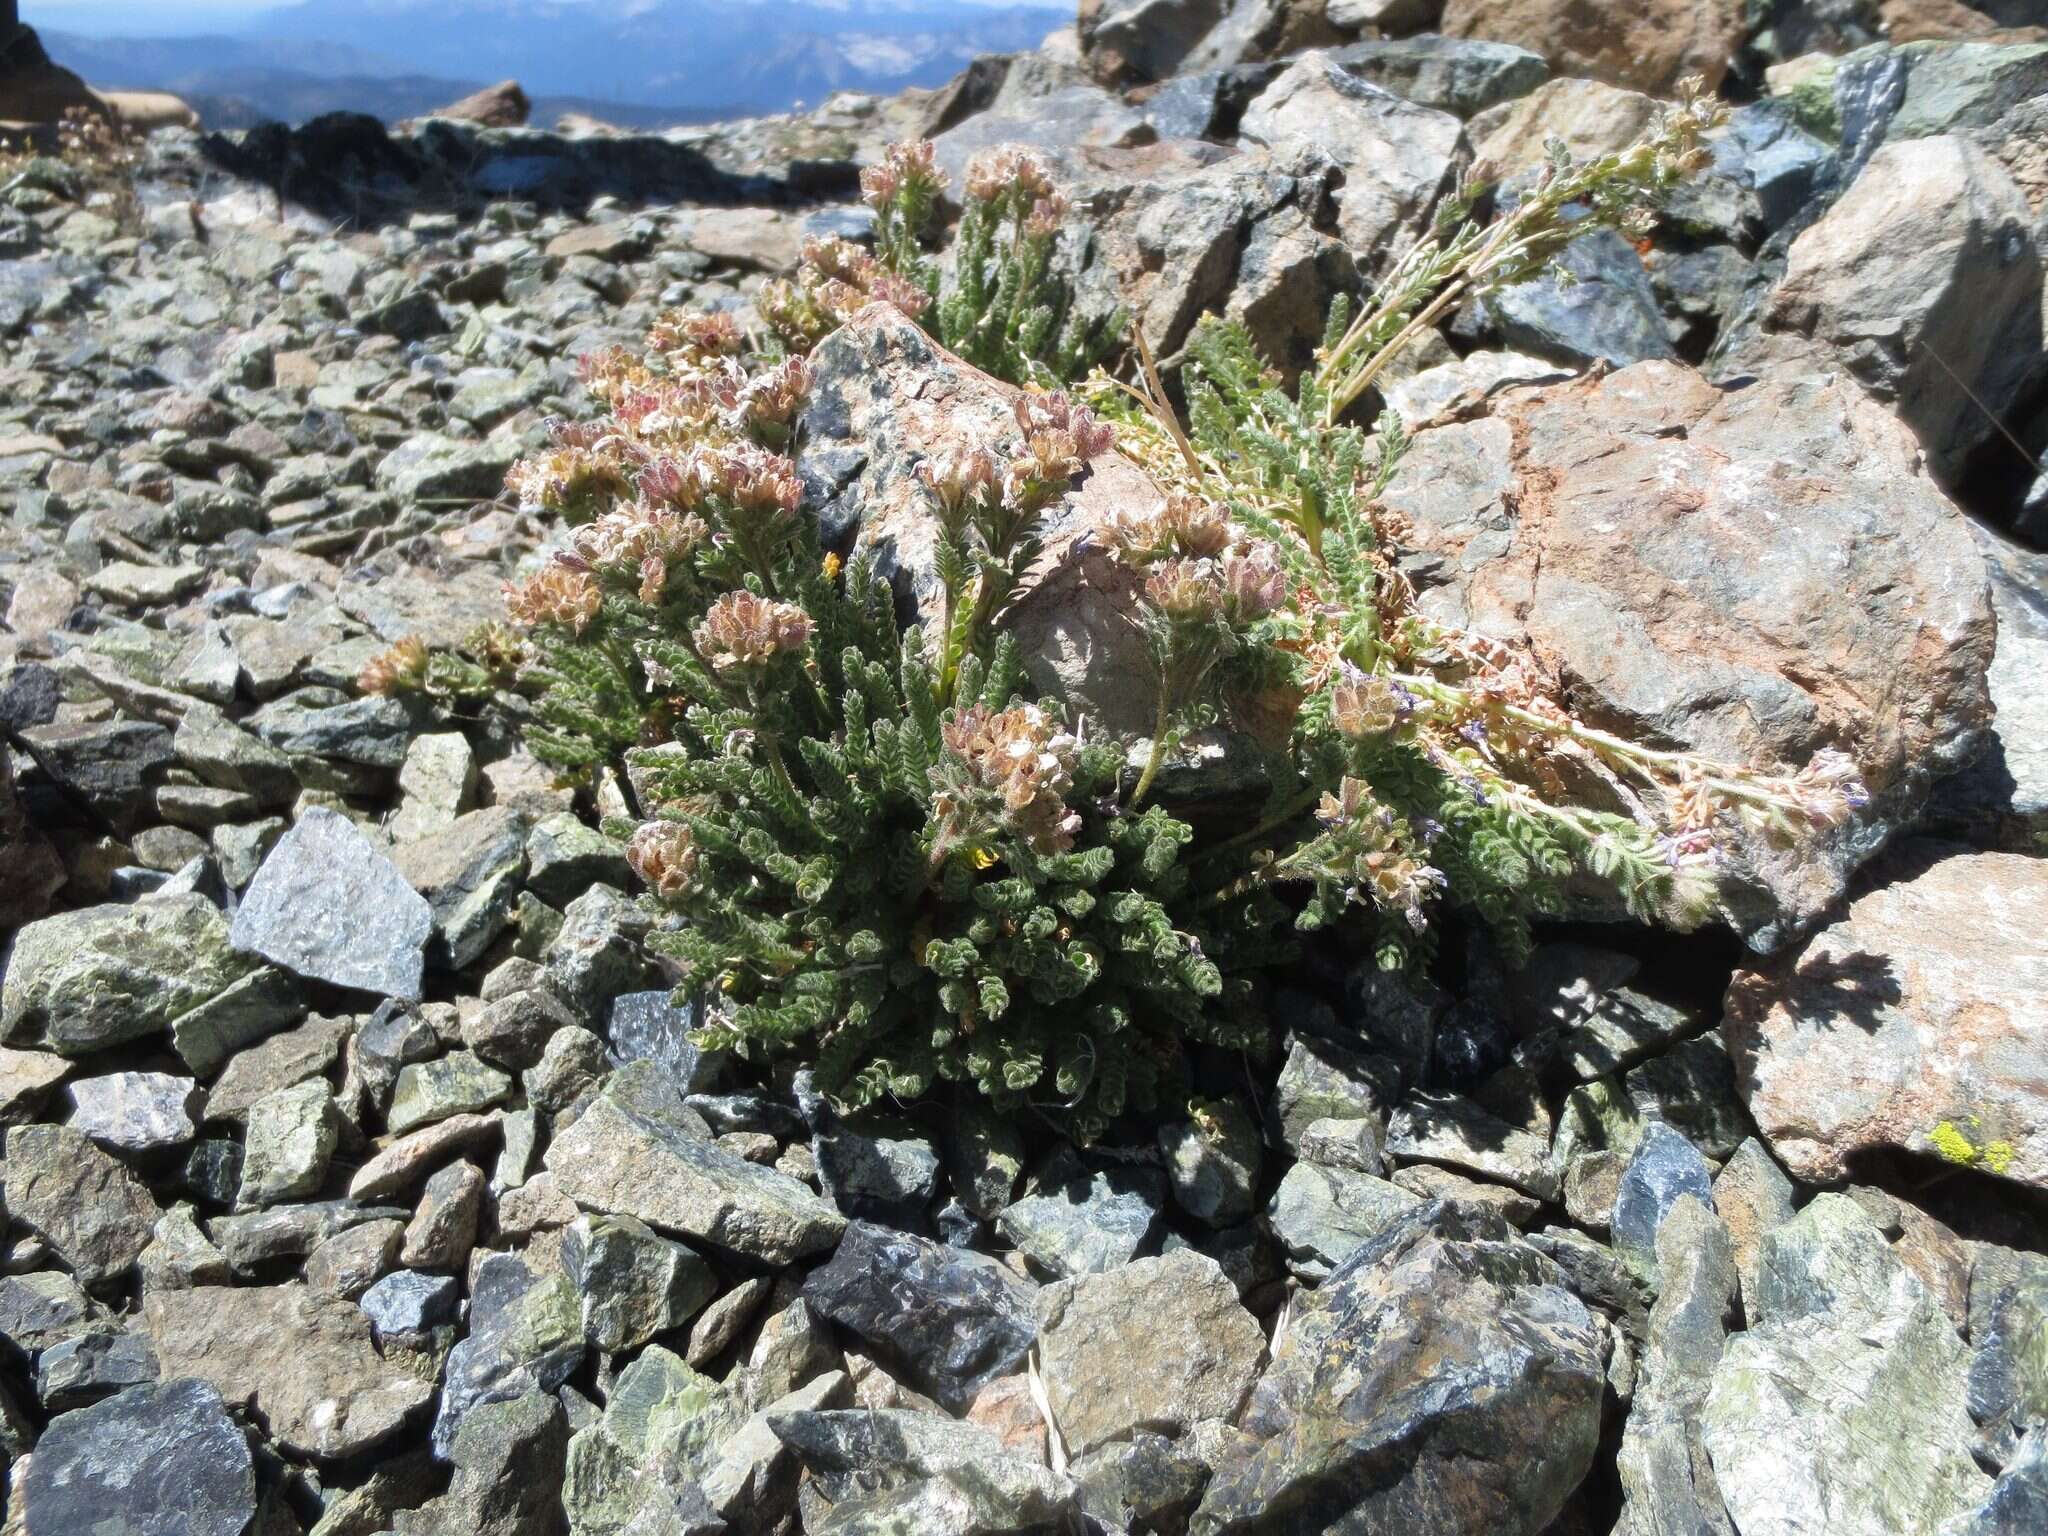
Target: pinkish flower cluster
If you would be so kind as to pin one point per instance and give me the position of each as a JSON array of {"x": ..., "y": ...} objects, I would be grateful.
[
  {"x": 1829, "y": 789},
  {"x": 1059, "y": 439},
  {"x": 664, "y": 855},
  {"x": 562, "y": 592},
  {"x": 1009, "y": 172},
  {"x": 742, "y": 633},
  {"x": 401, "y": 669},
  {"x": 1367, "y": 707},
  {"x": 589, "y": 466},
  {"x": 642, "y": 539},
  {"x": 1020, "y": 756},
  {"x": 1199, "y": 566},
  {"x": 906, "y": 170},
  {"x": 1183, "y": 525},
  {"x": 695, "y": 338},
  {"x": 959, "y": 476}
]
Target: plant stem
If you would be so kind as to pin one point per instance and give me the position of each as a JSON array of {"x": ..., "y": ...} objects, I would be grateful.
[{"x": 1158, "y": 752}]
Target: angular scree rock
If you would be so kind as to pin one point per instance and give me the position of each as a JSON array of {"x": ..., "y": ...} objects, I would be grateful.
[
  {"x": 949, "y": 1319},
  {"x": 1917, "y": 1020},
  {"x": 327, "y": 905},
  {"x": 1443, "y": 1379}
]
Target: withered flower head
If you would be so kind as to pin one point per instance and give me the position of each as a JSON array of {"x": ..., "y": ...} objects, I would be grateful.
[
  {"x": 1253, "y": 583},
  {"x": 664, "y": 855},
  {"x": 401, "y": 669},
  {"x": 560, "y": 592},
  {"x": 1183, "y": 524},
  {"x": 1830, "y": 788},
  {"x": 958, "y": 475},
  {"x": 1021, "y": 756},
  {"x": 1055, "y": 412},
  {"x": 911, "y": 167},
  {"x": 1372, "y": 852},
  {"x": 1005, "y": 171},
  {"x": 1364, "y": 706},
  {"x": 1186, "y": 591},
  {"x": 743, "y": 632}
]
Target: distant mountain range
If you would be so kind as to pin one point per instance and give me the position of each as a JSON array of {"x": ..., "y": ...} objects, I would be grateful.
[{"x": 639, "y": 61}]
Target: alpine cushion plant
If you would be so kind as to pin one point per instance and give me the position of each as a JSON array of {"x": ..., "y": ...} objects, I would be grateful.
[
  {"x": 881, "y": 853},
  {"x": 1004, "y": 306}
]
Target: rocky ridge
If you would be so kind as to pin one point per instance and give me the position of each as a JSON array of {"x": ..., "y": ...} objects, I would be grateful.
[{"x": 360, "y": 1176}]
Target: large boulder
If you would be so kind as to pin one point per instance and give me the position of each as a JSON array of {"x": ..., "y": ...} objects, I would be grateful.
[
  {"x": 30, "y": 870},
  {"x": 1397, "y": 159},
  {"x": 1158, "y": 1344},
  {"x": 1443, "y": 1380},
  {"x": 1918, "y": 1020},
  {"x": 1841, "y": 1408},
  {"x": 81, "y": 981},
  {"x": 1749, "y": 573},
  {"x": 948, "y": 1320},
  {"x": 1924, "y": 282},
  {"x": 1649, "y": 46},
  {"x": 621, "y": 1159},
  {"x": 153, "y": 1458},
  {"x": 95, "y": 1214},
  {"x": 328, "y": 905},
  {"x": 1666, "y": 1476}
]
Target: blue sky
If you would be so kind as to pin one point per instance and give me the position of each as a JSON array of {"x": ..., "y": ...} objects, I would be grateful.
[{"x": 169, "y": 17}]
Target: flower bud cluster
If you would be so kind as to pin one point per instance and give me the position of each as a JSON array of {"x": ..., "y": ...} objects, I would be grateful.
[
  {"x": 1369, "y": 707},
  {"x": 742, "y": 633},
  {"x": 401, "y": 669},
  {"x": 664, "y": 855},
  {"x": 1025, "y": 761},
  {"x": 907, "y": 171},
  {"x": 588, "y": 466},
  {"x": 695, "y": 338},
  {"x": 1012, "y": 174}
]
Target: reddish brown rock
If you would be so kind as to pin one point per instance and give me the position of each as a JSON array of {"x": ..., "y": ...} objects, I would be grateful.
[
  {"x": 1750, "y": 572},
  {"x": 504, "y": 105},
  {"x": 1918, "y": 1021},
  {"x": 1650, "y": 45}
]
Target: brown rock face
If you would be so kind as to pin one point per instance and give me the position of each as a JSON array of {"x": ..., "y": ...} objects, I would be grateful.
[
  {"x": 1919, "y": 1020},
  {"x": 1751, "y": 573},
  {"x": 1925, "y": 272},
  {"x": 304, "y": 1362},
  {"x": 504, "y": 105},
  {"x": 1649, "y": 46}
]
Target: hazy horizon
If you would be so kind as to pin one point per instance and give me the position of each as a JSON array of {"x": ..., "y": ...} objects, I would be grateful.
[{"x": 240, "y": 60}]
